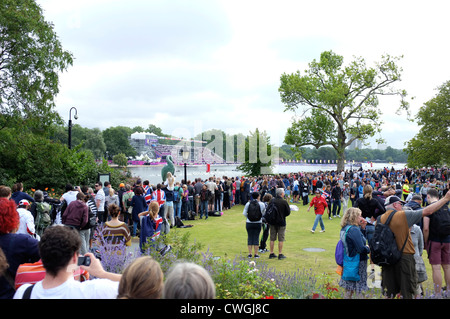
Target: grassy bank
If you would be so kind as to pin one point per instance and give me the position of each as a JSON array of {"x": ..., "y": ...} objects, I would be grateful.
[{"x": 226, "y": 237}]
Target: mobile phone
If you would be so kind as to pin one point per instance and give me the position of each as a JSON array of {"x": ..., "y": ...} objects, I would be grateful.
[{"x": 84, "y": 261}]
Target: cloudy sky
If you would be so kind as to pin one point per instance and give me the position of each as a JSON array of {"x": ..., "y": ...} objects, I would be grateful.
[{"x": 189, "y": 66}]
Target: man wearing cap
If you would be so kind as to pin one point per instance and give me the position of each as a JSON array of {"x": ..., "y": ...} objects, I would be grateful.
[
  {"x": 26, "y": 225},
  {"x": 402, "y": 277}
]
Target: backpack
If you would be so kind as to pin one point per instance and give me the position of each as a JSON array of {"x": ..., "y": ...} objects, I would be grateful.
[
  {"x": 128, "y": 199},
  {"x": 339, "y": 252},
  {"x": 383, "y": 247},
  {"x": 296, "y": 187},
  {"x": 440, "y": 222},
  {"x": 176, "y": 194},
  {"x": 271, "y": 215},
  {"x": 254, "y": 211},
  {"x": 43, "y": 219}
]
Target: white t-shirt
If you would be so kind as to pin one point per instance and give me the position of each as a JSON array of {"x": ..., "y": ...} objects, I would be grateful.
[
  {"x": 26, "y": 225},
  {"x": 72, "y": 289},
  {"x": 70, "y": 196}
]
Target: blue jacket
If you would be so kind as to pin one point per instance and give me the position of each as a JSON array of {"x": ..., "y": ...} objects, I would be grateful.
[{"x": 356, "y": 242}]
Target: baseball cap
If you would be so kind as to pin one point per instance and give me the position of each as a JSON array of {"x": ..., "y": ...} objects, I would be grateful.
[
  {"x": 392, "y": 199},
  {"x": 121, "y": 185},
  {"x": 24, "y": 202}
]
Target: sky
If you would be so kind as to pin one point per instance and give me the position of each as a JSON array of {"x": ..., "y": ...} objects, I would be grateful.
[{"x": 191, "y": 66}]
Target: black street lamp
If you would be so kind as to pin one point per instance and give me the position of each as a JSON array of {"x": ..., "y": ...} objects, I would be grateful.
[
  {"x": 70, "y": 124},
  {"x": 185, "y": 153}
]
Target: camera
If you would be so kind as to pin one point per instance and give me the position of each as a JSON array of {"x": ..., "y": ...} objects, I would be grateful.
[{"x": 84, "y": 261}]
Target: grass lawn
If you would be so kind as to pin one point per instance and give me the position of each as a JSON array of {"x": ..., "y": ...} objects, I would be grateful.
[{"x": 226, "y": 236}]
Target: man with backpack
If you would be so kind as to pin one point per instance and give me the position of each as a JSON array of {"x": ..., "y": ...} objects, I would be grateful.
[
  {"x": 436, "y": 233},
  {"x": 401, "y": 276},
  {"x": 276, "y": 213}
]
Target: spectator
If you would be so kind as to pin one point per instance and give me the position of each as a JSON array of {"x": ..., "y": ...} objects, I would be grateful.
[
  {"x": 265, "y": 227},
  {"x": 18, "y": 248},
  {"x": 278, "y": 231},
  {"x": 142, "y": 279},
  {"x": 18, "y": 194},
  {"x": 402, "y": 277},
  {"x": 253, "y": 227},
  {"x": 127, "y": 198},
  {"x": 352, "y": 236},
  {"x": 204, "y": 202},
  {"x": 5, "y": 192},
  {"x": 319, "y": 204},
  {"x": 188, "y": 281},
  {"x": 77, "y": 216},
  {"x": 114, "y": 231},
  {"x": 26, "y": 225},
  {"x": 70, "y": 194},
  {"x": 111, "y": 198},
  {"x": 139, "y": 206},
  {"x": 59, "y": 249},
  {"x": 438, "y": 247},
  {"x": 100, "y": 201}
]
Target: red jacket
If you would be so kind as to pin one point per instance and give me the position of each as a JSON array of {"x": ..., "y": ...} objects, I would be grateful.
[{"x": 319, "y": 204}]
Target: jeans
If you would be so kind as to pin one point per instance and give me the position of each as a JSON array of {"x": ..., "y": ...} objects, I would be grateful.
[
  {"x": 177, "y": 208},
  {"x": 318, "y": 220},
  {"x": 336, "y": 204},
  {"x": 204, "y": 208}
]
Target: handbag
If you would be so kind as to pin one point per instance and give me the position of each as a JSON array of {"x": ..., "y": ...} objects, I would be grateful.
[{"x": 351, "y": 268}]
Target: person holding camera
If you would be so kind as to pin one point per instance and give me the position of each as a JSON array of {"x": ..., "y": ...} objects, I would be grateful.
[{"x": 59, "y": 250}]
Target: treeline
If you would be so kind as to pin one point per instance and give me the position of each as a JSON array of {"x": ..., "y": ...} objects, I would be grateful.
[{"x": 358, "y": 155}]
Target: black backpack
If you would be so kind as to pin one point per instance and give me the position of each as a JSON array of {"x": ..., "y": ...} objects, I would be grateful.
[
  {"x": 271, "y": 215},
  {"x": 383, "y": 247},
  {"x": 440, "y": 222},
  {"x": 254, "y": 211}
]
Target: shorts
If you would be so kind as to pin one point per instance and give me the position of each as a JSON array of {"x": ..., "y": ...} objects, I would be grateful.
[
  {"x": 277, "y": 231},
  {"x": 211, "y": 199},
  {"x": 438, "y": 253},
  {"x": 197, "y": 200}
]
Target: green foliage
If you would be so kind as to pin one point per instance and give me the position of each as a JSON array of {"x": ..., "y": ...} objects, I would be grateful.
[
  {"x": 257, "y": 156},
  {"x": 120, "y": 160},
  {"x": 430, "y": 146},
  {"x": 31, "y": 57},
  {"x": 116, "y": 141},
  {"x": 241, "y": 279},
  {"x": 338, "y": 100}
]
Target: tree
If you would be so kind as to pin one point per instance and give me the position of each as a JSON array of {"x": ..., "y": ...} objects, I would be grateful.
[
  {"x": 430, "y": 147},
  {"x": 339, "y": 104},
  {"x": 120, "y": 159},
  {"x": 116, "y": 141},
  {"x": 31, "y": 57},
  {"x": 257, "y": 156}
]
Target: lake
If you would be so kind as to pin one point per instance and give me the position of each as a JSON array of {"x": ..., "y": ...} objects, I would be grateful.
[{"x": 153, "y": 172}]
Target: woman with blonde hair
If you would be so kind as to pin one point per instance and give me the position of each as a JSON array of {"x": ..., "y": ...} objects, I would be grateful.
[
  {"x": 142, "y": 279},
  {"x": 151, "y": 224},
  {"x": 354, "y": 276}
]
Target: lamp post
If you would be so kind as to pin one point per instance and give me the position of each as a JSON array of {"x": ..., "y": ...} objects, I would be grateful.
[
  {"x": 70, "y": 124},
  {"x": 185, "y": 153}
]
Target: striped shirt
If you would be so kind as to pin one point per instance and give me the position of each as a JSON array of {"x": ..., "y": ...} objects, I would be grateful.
[{"x": 117, "y": 234}]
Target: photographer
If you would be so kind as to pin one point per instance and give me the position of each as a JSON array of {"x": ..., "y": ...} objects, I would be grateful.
[{"x": 59, "y": 249}]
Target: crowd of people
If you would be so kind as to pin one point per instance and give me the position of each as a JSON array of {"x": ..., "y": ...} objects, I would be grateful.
[{"x": 31, "y": 226}]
